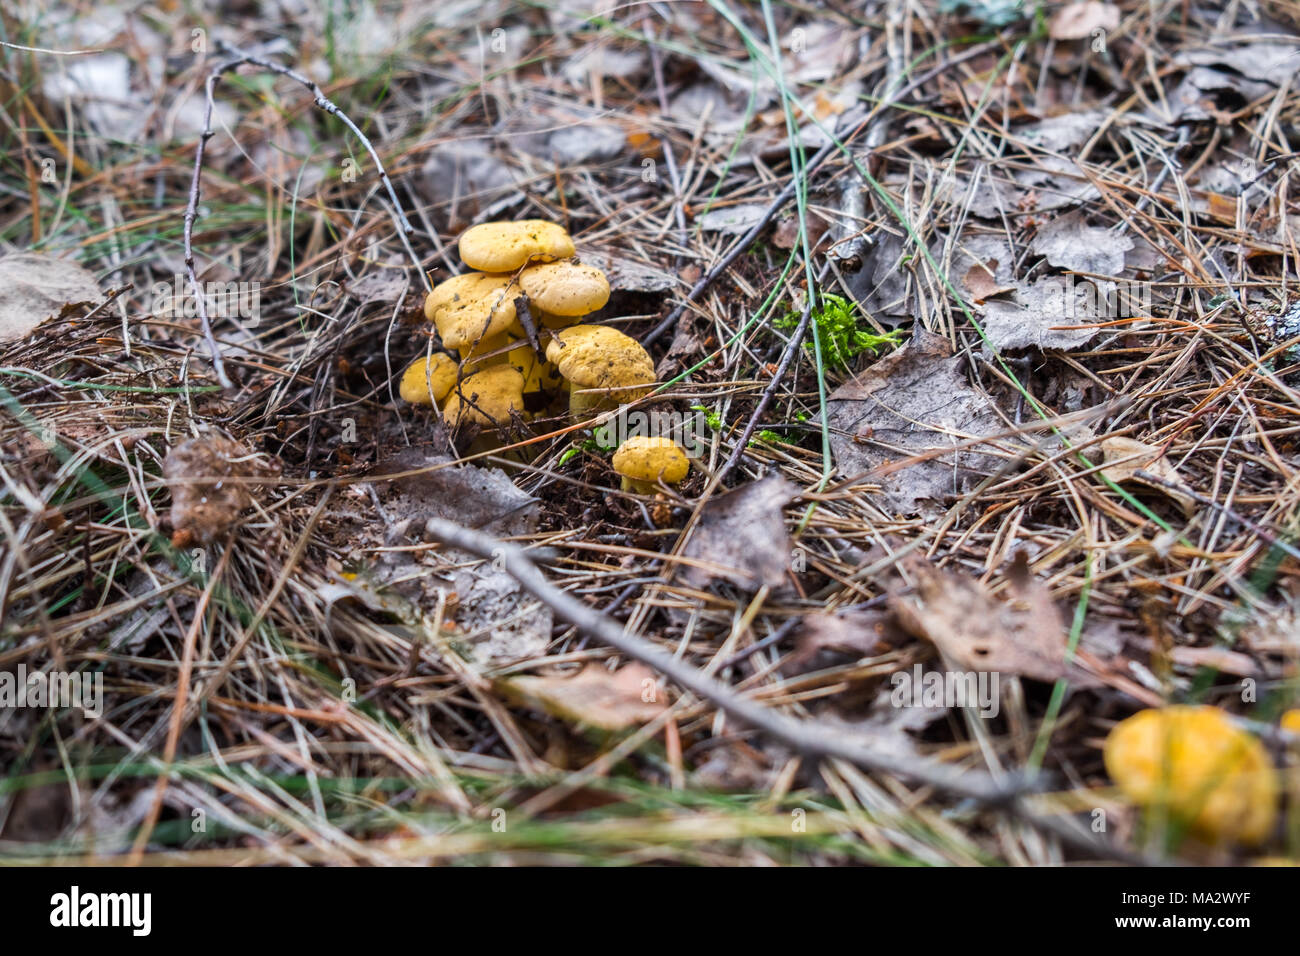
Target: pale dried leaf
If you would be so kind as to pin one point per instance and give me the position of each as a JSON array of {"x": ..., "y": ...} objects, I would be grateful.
[
  {"x": 1050, "y": 314},
  {"x": 34, "y": 288},
  {"x": 1125, "y": 457},
  {"x": 1077, "y": 21},
  {"x": 593, "y": 697},
  {"x": 1068, "y": 242}
]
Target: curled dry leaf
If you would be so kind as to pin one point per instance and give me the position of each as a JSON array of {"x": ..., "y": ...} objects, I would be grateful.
[
  {"x": 975, "y": 631},
  {"x": 1125, "y": 457},
  {"x": 1078, "y": 21},
  {"x": 594, "y": 697},
  {"x": 743, "y": 533},
  {"x": 212, "y": 480}
]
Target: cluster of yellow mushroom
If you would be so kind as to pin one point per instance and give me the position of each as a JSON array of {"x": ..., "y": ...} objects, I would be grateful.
[
  {"x": 1193, "y": 764},
  {"x": 477, "y": 317}
]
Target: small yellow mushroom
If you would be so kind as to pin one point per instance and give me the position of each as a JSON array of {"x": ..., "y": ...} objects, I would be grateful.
[
  {"x": 472, "y": 307},
  {"x": 507, "y": 246},
  {"x": 642, "y": 462},
  {"x": 428, "y": 381},
  {"x": 603, "y": 366},
  {"x": 1196, "y": 765},
  {"x": 565, "y": 288},
  {"x": 1291, "y": 721},
  {"x": 486, "y": 398}
]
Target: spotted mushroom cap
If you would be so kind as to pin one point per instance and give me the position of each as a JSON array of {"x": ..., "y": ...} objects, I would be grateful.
[
  {"x": 1200, "y": 767},
  {"x": 507, "y": 246},
  {"x": 428, "y": 380},
  {"x": 470, "y": 307},
  {"x": 487, "y": 397},
  {"x": 596, "y": 356},
  {"x": 565, "y": 287},
  {"x": 649, "y": 458}
]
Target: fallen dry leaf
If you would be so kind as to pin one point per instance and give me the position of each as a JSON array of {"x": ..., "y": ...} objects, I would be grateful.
[
  {"x": 981, "y": 282},
  {"x": 855, "y": 632},
  {"x": 1125, "y": 457},
  {"x": 593, "y": 697},
  {"x": 34, "y": 288},
  {"x": 913, "y": 402},
  {"x": 1068, "y": 242},
  {"x": 501, "y": 622},
  {"x": 975, "y": 631},
  {"x": 743, "y": 533},
  {"x": 1077, "y": 21},
  {"x": 1053, "y": 313}
]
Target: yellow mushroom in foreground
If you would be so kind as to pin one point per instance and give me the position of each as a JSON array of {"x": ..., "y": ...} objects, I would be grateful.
[
  {"x": 508, "y": 246},
  {"x": 604, "y": 367},
  {"x": 427, "y": 381},
  {"x": 644, "y": 461},
  {"x": 1194, "y": 764}
]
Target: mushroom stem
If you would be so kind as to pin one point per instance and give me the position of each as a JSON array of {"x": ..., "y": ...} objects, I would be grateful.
[{"x": 636, "y": 486}]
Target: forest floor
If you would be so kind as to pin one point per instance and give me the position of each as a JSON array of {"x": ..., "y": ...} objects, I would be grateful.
[{"x": 984, "y": 315}]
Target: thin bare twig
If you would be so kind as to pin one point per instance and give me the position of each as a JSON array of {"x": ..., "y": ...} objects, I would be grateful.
[{"x": 236, "y": 58}]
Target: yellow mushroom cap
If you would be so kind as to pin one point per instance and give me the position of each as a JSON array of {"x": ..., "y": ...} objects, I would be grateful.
[
  {"x": 1196, "y": 764},
  {"x": 487, "y": 397},
  {"x": 486, "y": 351},
  {"x": 565, "y": 287},
  {"x": 538, "y": 373},
  {"x": 427, "y": 381},
  {"x": 645, "y": 458},
  {"x": 471, "y": 307},
  {"x": 1291, "y": 721},
  {"x": 596, "y": 356},
  {"x": 506, "y": 246}
]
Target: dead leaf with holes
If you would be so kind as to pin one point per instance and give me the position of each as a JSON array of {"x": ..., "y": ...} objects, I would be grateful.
[
  {"x": 1023, "y": 634},
  {"x": 1125, "y": 457},
  {"x": 593, "y": 698}
]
